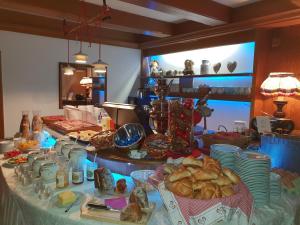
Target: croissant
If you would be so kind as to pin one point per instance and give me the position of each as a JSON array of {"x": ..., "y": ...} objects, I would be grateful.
[
  {"x": 182, "y": 187},
  {"x": 231, "y": 175},
  {"x": 222, "y": 181},
  {"x": 189, "y": 161},
  {"x": 207, "y": 190},
  {"x": 179, "y": 174},
  {"x": 227, "y": 191},
  {"x": 201, "y": 174}
]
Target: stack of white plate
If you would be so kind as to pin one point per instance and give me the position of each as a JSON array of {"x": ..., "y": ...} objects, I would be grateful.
[
  {"x": 254, "y": 170},
  {"x": 225, "y": 154},
  {"x": 275, "y": 186}
]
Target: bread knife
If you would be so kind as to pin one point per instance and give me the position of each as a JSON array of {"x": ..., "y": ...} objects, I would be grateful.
[{"x": 104, "y": 207}]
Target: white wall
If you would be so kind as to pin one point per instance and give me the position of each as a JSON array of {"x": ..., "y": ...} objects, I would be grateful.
[{"x": 30, "y": 73}]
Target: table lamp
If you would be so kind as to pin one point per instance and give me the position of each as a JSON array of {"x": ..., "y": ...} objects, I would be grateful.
[
  {"x": 280, "y": 84},
  {"x": 87, "y": 82}
]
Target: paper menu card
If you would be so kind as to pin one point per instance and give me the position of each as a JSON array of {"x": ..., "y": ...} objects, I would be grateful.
[{"x": 263, "y": 124}]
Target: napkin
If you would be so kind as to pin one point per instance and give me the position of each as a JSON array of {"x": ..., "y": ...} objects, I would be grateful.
[{"x": 116, "y": 203}]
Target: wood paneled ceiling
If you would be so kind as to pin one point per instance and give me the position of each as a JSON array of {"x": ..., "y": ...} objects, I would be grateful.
[{"x": 148, "y": 23}]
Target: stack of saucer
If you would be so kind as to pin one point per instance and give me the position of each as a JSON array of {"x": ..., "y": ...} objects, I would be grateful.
[
  {"x": 254, "y": 170},
  {"x": 225, "y": 154},
  {"x": 275, "y": 186}
]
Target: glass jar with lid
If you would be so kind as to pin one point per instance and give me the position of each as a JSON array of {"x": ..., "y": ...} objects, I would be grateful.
[
  {"x": 25, "y": 125},
  {"x": 77, "y": 158}
]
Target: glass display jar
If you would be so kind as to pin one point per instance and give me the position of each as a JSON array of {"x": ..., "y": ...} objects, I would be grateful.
[
  {"x": 25, "y": 125},
  {"x": 62, "y": 174},
  {"x": 37, "y": 123},
  {"x": 77, "y": 158}
]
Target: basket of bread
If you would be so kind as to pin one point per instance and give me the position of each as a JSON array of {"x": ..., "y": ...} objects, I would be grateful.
[{"x": 200, "y": 191}]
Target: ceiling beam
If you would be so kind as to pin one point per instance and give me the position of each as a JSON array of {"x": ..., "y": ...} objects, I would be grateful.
[
  {"x": 261, "y": 8},
  {"x": 24, "y": 23},
  {"x": 202, "y": 11},
  {"x": 187, "y": 27},
  {"x": 69, "y": 10},
  {"x": 291, "y": 17}
]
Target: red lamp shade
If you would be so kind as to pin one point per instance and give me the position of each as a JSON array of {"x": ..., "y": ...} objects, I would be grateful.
[{"x": 281, "y": 84}]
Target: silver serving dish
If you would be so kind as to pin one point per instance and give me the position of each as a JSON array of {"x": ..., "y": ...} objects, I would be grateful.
[{"x": 129, "y": 136}]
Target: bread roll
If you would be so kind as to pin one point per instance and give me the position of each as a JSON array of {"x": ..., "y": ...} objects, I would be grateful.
[
  {"x": 190, "y": 161},
  {"x": 231, "y": 175},
  {"x": 181, "y": 188},
  {"x": 201, "y": 174},
  {"x": 222, "y": 181},
  {"x": 178, "y": 175},
  {"x": 132, "y": 213}
]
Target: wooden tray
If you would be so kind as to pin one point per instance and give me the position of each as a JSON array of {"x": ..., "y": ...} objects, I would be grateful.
[
  {"x": 64, "y": 131},
  {"x": 113, "y": 216}
]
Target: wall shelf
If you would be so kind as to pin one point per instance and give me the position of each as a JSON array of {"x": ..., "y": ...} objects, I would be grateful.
[
  {"x": 204, "y": 75},
  {"x": 225, "y": 97}
]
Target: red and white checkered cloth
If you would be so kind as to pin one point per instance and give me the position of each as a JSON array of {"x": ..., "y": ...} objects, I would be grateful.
[{"x": 186, "y": 211}]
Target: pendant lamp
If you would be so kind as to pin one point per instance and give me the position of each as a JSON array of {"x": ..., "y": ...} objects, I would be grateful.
[
  {"x": 99, "y": 65},
  {"x": 68, "y": 70},
  {"x": 81, "y": 57}
]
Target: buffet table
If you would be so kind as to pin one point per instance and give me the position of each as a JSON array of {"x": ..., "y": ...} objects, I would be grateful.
[{"x": 20, "y": 206}]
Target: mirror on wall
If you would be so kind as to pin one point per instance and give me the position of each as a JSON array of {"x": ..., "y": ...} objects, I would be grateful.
[{"x": 75, "y": 89}]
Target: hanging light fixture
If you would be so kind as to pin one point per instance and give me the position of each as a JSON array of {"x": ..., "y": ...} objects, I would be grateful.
[
  {"x": 81, "y": 57},
  {"x": 99, "y": 65},
  {"x": 68, "y": 70}
]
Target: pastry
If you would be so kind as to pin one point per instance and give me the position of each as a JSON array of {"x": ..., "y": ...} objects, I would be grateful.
[
  {"x": 179, "y": 174},
  {"x": 190, "y": 161},
  {"x": 182, "y": 187},
  {"x": 227, "y": 191},
  {"x": 121, "y": 186},
  {"x": 169, "y": 168},
  {"x": 222, "y": 181},
  {"x": 139, "y": 196},
  {"x": 201, "y": 174},
  {"x": 231, "y": 175},
  {"x": 104, "y": 180},
  {"x": 131, "y": 213}
]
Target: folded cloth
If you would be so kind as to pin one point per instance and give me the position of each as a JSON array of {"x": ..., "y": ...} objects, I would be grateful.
[{"x": 116, "y": 203}]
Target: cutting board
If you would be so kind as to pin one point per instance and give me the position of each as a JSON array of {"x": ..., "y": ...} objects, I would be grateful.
[{"x": 113, "y": 216}]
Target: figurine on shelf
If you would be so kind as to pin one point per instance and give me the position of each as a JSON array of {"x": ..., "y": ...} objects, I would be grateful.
[
  {"x": 188, "y": 67},
  {"x": 155, "y": 71}
]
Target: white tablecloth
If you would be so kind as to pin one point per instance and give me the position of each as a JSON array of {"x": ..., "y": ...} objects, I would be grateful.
[{"x": 20, "y": 206}]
